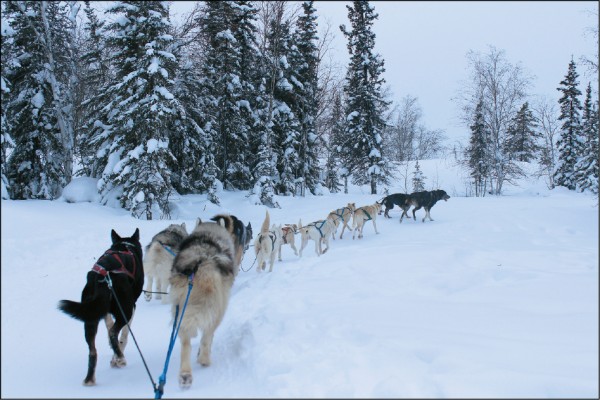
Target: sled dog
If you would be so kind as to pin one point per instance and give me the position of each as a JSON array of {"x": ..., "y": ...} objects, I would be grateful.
[
  {"x": 399, "y": 199},
  {"x": 288, "y": 236},
  {"x": 362, "y": 215},
  {"x": 209, "y": 258},
  {"x": 266, "y": 244},
  {"x": 342, "y": 216},
  {"x": 121, "y": 267},
  {"x": 319, "y": 231},
  {"x": 427, "y": 200},
  {"x": 158, "y": 259}
]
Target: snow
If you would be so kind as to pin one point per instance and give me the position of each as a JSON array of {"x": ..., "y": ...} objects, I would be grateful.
[
  {"x": 37, "y": 100},
  {"x": 496, "y": 298}
]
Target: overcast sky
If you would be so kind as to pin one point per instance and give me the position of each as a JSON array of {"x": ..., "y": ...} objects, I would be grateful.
[{"x": 424, "y": 45}]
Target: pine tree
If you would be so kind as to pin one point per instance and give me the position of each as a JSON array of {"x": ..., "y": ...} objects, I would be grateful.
[
  {"x": 6, "y": 143},
  {"x": 477, "y": 152},
  {"x": 94, "y": 76},
  {"x": 365, "y": 105},
  {"x": 305, "y": 58},
  {"x": 522, "y": 137},
  {"x": 333, "y": 173},
  {"x": 141, "y": 112},
  {"x": 569, "y": 143},
  {"x": 418, "y": 180},
  {"x": 586, "y": 169},
  {"x": 39, "y": 106},
  {"x": 224, "y": 93}
]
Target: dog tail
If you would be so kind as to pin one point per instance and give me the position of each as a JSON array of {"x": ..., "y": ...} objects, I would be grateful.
[
  {"x": 265, "y": 226},
  {"x": 90, "y": 310}
]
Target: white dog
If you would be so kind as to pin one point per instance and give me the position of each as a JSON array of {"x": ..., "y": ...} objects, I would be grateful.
[
  {"x": 160, "y": 253},
  {"x": 319, "y": 231},
  {"x": 288, "y": 236},
  {"x": 266, "y": 244}
]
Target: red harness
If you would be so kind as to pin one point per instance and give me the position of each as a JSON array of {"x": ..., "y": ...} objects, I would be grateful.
[{"x": 109, "y": 265}]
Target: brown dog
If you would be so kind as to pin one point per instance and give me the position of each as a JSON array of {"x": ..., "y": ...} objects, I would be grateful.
[{"x": 362, "y": 215}]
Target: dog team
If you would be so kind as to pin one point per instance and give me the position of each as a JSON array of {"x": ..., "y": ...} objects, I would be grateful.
[{"x": 208, "y": 259}]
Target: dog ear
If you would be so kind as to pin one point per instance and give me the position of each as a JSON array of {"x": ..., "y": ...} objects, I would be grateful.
[
  {"x": 136, "y": 235},
  {"x": 114, "y": 236},
  {"x": 183, "y": 226},
  {"x": 198, "y": 221}
]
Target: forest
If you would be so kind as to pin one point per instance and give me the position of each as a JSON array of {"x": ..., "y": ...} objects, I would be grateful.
[{"x": 239, "y": 95}]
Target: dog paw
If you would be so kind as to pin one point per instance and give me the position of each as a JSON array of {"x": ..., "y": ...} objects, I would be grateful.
[
  {"x": 204, "y": 361},
  {"x": 118, "y": 362},
  {"x": 89, "y": 382},
  {"x": 185, "y": 380},
  {"x": 148, "y": 296}
]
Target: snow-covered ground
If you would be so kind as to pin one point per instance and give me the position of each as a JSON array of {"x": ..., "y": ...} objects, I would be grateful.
[{"x": 498, "y": 297}]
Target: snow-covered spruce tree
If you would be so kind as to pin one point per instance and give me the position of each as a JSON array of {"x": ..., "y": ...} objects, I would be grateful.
[
  {"x": 586, "y": 169},
  {"x": 333, "y": 174},
  {"x": 304, "y": 58},
  {"x": 224, "y": 94},
  {"x": 418, "y": 180},
  {"x": 365, "y": 104},
  {"x": 39, "y": 108},
  {"x": 135, "y": 135},
  {"x": 569, "y": 143},
  {"x": 6, "y": 143},
  {"x": 476, "y": 154},
  {"x": 93, "y": 77},
  {"x": 522, "y": 136}
]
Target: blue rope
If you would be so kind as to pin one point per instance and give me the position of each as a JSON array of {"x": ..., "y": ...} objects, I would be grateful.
[
  {"x": 158, "y": 391},
  {"x": 167, "y": 248}
]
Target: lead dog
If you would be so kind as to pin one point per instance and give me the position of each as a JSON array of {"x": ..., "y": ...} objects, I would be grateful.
[
  {"x": 121, "y": 265},
  {"x": 427, "y": 200},
  {"x": 288, "y": 236},
  {"x": 342, "y": 216},
  {"x": 362, "y": 215},
  {"x": 399, "y": 199},
  {"x": 266, "y": 244},
  {"x": 209, "y": 258},
  {"x": 160, "y": 253},
  {"x": 318, "y": 231}
]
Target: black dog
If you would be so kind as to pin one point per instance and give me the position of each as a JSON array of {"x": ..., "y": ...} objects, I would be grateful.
[
  {"x": 122, "y": 267},
  {"x": 425, "y": 199},
  {"x": 398, "y": 199}
]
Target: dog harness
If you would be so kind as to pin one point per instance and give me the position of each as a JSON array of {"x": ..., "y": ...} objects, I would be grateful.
[
  {"x": 368, "y": 215},
  {"x": 341, "y": 215},
  {"x": 318, "y": 227},
  {"x": 168, "y": 249},
  {"x": 113, "y": 261},
  {"x": 272, "y": 236}
]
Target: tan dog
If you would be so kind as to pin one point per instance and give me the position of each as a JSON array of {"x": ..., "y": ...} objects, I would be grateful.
[
  {"x": 210, "y": 258},
  {"x": 342, "y": 216},
  {"x": 288, "y": 236},
  {"x": 266, "y": 244},
  {"x": 318, "y": 231},
  {"x": 362, "y": 215}
]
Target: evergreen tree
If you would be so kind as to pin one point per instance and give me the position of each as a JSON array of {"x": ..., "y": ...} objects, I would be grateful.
[
  {"x": 365, "y": 105},
  {"x": 39, "y": 106},
  {"x": 94, "y": 75},
  {"x": 6, "y": 142},
  {"x": 141, "y": 110},
  {"x": 333, "y": 173},
  {"x": 569, "y": 143},
  {"x": 223, "y": 92},
  {"x": 586, "y": 169},
  {"x": 522, "y": 136},
  {"x": 305, "y": 58},
  {"x": 418, "y": 180},
  {"x": 477, "y": 152}
]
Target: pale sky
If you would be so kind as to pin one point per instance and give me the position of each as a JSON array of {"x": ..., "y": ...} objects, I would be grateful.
[{"x": 424, "y": 45}]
